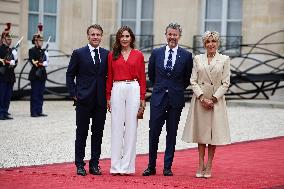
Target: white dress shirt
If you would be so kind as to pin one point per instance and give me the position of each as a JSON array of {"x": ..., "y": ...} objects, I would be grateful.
[
  {"x": 174, "y": 54},
  {"x": 93, "y": 53}
]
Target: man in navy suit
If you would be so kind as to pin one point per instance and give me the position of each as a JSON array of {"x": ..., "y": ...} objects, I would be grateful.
[
  {"x": 169, "y": 70},
  {"x": 89, "y": 66}
]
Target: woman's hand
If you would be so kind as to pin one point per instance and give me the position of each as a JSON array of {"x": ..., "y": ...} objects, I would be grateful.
[
  {"x": 141, "y": 109},
  {"x": 142, "y": 104},
  {"x": 206, "y": 103},
  {"x": 108, "y": 106}
]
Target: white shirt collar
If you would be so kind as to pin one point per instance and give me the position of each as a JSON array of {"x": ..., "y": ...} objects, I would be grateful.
[
  {"x": 91, "y": 48},
  {"x": 174, "y": 49}
]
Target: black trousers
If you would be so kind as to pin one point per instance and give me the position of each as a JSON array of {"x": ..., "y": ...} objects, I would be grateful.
[
  {"x": 83, "y": 114},
  {"x": 158, "y": 116},
  {"x": 36, "y": 102}
]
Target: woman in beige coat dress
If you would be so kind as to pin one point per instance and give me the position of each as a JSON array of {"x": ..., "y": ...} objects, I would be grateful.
[{"x": 207, "y": 121}]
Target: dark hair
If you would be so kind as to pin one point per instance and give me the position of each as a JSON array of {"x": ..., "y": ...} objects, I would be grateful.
[
  {"x": 95, "y": 26},
  {"x": 174, "y": 26},
  {"x": 117, "y": 46},
  {"x": 36, "y": 37}
]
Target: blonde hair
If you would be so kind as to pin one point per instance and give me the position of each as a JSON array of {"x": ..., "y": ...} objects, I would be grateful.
[{"x": 215, "y": 35}]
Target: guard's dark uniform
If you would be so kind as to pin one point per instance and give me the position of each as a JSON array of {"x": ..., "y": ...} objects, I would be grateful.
[
  {"x": 7, "y": 78},
  {"x": 37, "y": 76}
]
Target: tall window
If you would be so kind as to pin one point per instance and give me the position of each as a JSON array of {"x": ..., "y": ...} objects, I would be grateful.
[
  {"x": 45, "y": 12},
  {"x": 224, "y": 16},
  {"x": 138, "y": 14}
]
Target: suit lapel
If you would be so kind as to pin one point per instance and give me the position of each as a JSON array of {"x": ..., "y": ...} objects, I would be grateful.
[
  {"x": 161, "y": 59},
  {"x": 177, "y": 62},
  {"x": 214, "y": 61},
  {"x": 206, "y": 66},
  {"x": 88, "y": 55},
  {"x": 102, "y": 54}
]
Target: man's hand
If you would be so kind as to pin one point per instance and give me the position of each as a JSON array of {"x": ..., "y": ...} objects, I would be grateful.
[
  {"x": 40, "y": 64},
  {"x": 108, "y": 106},
  {"x": 75, "y": 100},
  {"x": 7, "y": 61}
]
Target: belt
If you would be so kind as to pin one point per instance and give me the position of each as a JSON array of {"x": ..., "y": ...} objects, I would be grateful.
[{"x": 127, "y": 80}]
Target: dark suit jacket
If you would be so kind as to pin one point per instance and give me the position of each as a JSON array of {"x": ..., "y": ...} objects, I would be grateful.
[
  {"x": 176, "y": 83},
  {"x": 90, "y": 78}
]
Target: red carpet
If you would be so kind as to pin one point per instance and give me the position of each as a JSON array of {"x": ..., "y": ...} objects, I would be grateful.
[{"x": 255, "y": 164}]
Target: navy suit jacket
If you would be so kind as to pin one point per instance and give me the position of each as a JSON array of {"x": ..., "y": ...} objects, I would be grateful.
[
  {"x": 90, "y": 78},
  {"x": 176, "y": 83}
]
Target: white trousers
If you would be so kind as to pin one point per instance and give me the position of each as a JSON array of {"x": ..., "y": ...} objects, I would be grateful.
[{"x": 125, "y": 101}]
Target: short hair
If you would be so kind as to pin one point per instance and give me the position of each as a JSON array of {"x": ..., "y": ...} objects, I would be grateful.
[
  {"x": 174, "y": 26},
  {"x": 215, "y": 35},
  {"x": 95, "y": 26}
]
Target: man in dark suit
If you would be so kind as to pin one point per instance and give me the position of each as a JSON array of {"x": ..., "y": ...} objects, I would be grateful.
[
  {"x": 89, "y": 65},
  {"x": 169, "y": 70}
]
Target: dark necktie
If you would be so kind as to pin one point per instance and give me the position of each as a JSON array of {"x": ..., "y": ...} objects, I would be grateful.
[
  {"x": 96, "y": 57},
  {"x": 169, "y": 64}
]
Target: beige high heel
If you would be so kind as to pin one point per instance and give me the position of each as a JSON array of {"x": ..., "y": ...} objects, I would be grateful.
[
  {"x": 207, "y": 174},
  {"x": 200, "y": 175}
]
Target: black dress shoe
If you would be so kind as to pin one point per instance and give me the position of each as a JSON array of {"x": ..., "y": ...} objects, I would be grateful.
[
  {"x": 41, "y": 114},
  {"x": 34, "y": 115},
  {"x": 95, "y": 170},
  {"x": 168, "y": 172},
  {"x": 2, "y": 117},
  {"x": 149, "y": 171},
  {"x": 81, "y": 171},
  {"x": 8, "y": 117}
]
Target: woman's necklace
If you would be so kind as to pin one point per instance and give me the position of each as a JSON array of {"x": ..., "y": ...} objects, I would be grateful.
[
  {"x": 211, "y": 55},
  {"x": 125, "y": 54}
]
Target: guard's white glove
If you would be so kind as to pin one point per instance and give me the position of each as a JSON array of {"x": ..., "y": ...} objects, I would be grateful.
[
  {"x": 12, "y": 62},
  {"x": 45, "y": 63},
  {"x": 15, "y": 54}
]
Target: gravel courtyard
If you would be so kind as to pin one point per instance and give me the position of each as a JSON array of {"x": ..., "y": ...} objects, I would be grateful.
[{"x": 45, "y": 140}]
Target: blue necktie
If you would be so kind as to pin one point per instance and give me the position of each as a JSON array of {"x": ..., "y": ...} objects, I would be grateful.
[{"x": 169, "y": 64}]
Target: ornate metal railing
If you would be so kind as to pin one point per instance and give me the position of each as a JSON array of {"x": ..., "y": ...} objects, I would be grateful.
[
  {"x": 257, "y": 72},
  {"x": 230, "y": 45},
  {"x": 55, "y": 85}
]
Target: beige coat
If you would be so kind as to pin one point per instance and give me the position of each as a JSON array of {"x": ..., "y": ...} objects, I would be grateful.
[{"x": 208, "y": 126}]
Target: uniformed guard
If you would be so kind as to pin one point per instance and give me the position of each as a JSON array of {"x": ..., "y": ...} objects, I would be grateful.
[
  {"x": 8, "y": 62},
  {"x": 39, "y": 59}
]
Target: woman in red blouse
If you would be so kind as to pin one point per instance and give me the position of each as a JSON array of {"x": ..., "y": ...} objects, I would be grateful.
[{"x": 126, "y": 89}]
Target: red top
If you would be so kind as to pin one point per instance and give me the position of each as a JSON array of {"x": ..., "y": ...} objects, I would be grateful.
[{"x": 133, "y": 68}]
